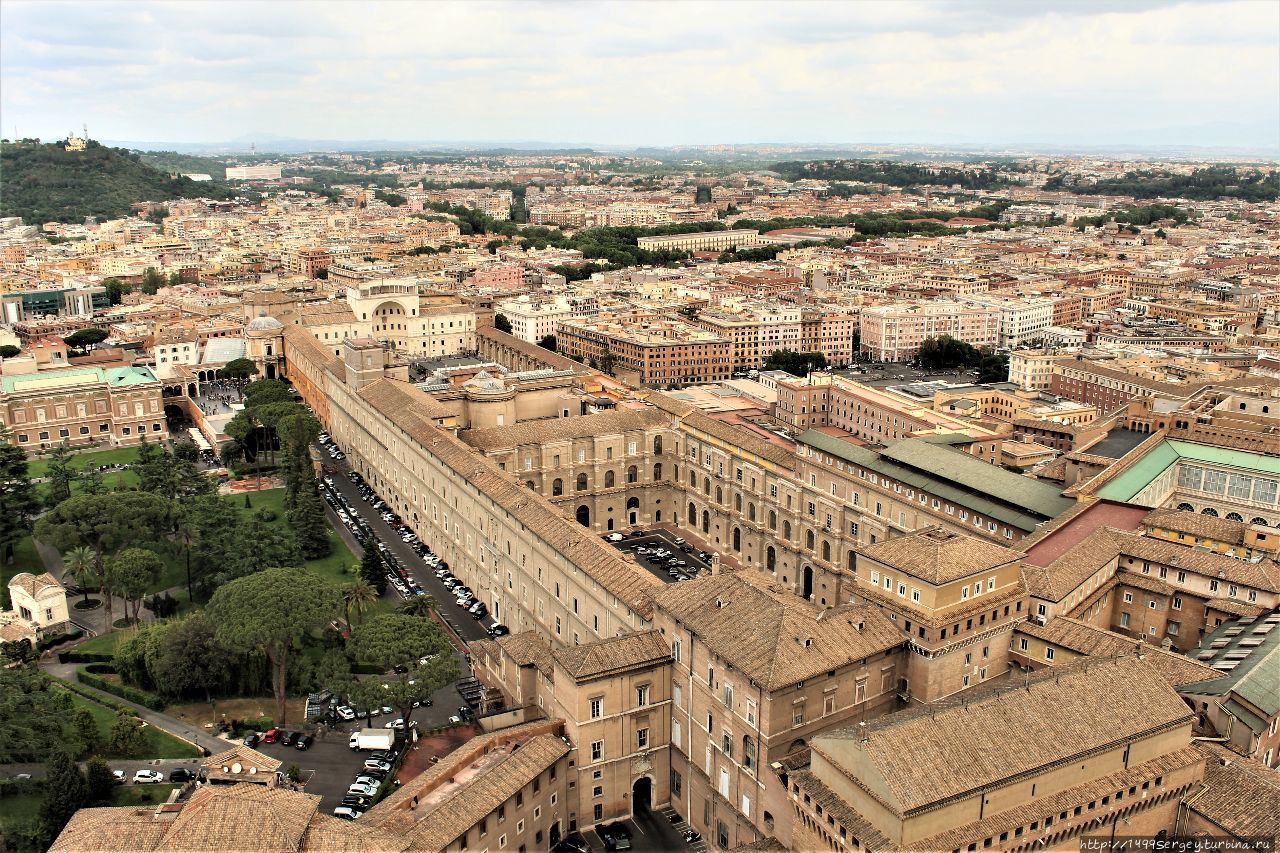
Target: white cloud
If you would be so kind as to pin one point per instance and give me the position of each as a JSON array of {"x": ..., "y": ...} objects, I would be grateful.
[{"x": 647, "y": 73}]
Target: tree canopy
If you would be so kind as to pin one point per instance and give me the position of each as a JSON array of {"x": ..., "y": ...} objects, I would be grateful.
[{"x": 795, "y": 363}]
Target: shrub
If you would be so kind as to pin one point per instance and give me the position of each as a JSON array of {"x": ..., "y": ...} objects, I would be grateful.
[
  {"x": 141, "y": 697},
  {"x": 266, "y": 515},
  {"x": 73, "y": 656},
  {"x": 50, "y": 642},
  {"x": 94, "y": 696}
]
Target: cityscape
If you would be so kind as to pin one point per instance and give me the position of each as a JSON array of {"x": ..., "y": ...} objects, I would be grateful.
[{"x": 842, "y": 427}]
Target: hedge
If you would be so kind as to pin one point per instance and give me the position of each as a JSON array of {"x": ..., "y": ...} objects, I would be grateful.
[
  {"x": 49, "y": 642},
  {"x": 18, "y": 787},
  {"x": 99, "y": 668},
  {"x": 95, "y": 696},
  {"x": 148, "y": 700},
  {"x": 84, "y": 657}
]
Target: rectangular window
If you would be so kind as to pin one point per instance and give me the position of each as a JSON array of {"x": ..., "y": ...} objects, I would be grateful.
[
  {"x": 597, "y": 707},
  {"x": 597, "y": 750},
  {"x": 642, "y": 738},
  {"x": 642, "y": 695},
  {"x": 1048, "y": 654}
]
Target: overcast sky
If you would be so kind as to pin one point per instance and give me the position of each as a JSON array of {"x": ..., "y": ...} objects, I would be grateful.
[{"x": 1068, "y": 72}]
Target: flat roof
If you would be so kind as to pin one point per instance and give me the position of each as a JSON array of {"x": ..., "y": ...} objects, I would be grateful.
[{"x": 1158, "y": 459}]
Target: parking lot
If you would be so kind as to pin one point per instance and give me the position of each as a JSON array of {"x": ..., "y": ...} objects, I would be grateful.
[{"x": 659, "y": 564}]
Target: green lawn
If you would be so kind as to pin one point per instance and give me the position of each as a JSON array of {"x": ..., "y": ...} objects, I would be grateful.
[
  {"x": 141, "y": 795},
  {"x": 335, "y": 567},
  {"x": 105, "y": 643},
  {"x": 38, "y": 468},
  {"x": 25, "y": 559},
  {"x": 159, "y": 744}
]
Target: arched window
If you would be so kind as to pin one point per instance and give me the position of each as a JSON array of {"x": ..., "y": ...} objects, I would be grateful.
[
  {"x": 693, "y": 513},
  {"x": 706, "y": 485},
  {"x": 1185, "y": 507},
  {"x": 737, "y": 539},
  {"x": 1260, "y": 520},
  {"x": 751, "y": 512},
  {"x": 608, "y": 479},
  {"x": 808, "y": 539},
  {"x": 852, "y": 561},
  {"x": 657, "y": 445},
  {"x": 786, "y": 530},
  {"x": 770, "y": 558},
  {"x": 528, "y": 484},
  {"x": 584, "y": 515},
  {"x": 719, "y": 495},
  {"x": 582, "y": 482},
  {"x": 693, "y": 478},
  {"x": 826, "y": 551},
  {"x": 1210, "y": 511},
  {"x": 633, "y": 503},
  {"x": 657, "y": 471},
  {"x": 1234, "y": 516},
  {"x": 737, "y": 503},
  {"x": 557, "y": 486},
  {"x": 632, "y": 474},
  {"x": 773, "y": 520},
  {"x": 706, "y": 521}
]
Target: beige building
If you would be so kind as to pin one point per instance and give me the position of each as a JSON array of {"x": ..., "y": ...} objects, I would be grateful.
[
  {"x": 702, "y": 241},
  {"x": 116, "y": 406},
  {"x": 38, "y": 608}
]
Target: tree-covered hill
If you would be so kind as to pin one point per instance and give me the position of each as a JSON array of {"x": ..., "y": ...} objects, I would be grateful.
[
  {"x": 172, "y": 161},
  {"x": 45, "y": 183},
  {"x": 1206, "y": 184},
  {"x": 893, "y": 174}
]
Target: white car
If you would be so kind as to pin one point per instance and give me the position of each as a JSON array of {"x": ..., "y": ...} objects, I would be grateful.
[
  {"x": 143, "y": 777},
  {"x": 614, "y": 537},
  {"x": 387, "y": 709},
  {"x": 397, "y": 723},
  {"x": 455, "y": 720},
  {"x": 347, "y": 813},
  {"x": 345, "y": 713},
  {"x": 119, "y": 777},
  {"x": 362, "y": 790}
]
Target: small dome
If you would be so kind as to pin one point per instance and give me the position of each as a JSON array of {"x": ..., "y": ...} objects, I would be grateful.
[{"x": 263, "y": 323}]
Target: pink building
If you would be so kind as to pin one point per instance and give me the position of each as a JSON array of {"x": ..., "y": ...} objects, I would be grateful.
[
  {"x": 499, "y": 275},
  {"x": 895, "y": 332}
]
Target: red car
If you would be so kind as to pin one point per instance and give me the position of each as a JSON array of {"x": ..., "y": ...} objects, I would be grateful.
[{"x": 271, "y": 735}]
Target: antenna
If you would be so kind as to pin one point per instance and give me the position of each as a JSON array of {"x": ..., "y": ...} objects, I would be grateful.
[{"x": 86, "y": 131}]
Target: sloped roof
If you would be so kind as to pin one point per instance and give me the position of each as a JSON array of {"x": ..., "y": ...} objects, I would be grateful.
[
  {"x": 1098, "y": 642},
  {"x": 1242, "y": 797},
  {"x": 35, "y": 585},
  {"x": 927, "y": 758},
  {"x": 939, "y": 556},
  {"x": 1252, "y": 677},
  {"x": 592, "y": 660},
  {"x": 559, "y": 429},
  {"x": 770, "y": 634}
]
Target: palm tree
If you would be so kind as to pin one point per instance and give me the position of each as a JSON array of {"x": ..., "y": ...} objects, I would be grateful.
[
  {"x": 419, "y": 605},
  {"x": 360, "y": 596},
  {"x": 81, "y": 564}
]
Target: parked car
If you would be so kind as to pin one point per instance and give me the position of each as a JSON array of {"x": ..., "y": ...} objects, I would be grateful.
[
  {"x": 377, "y": 764},
  {"x": 343, "y": 712},
  {"x": 362, "y": 789},
  {"x": 251, "y": 740},
  {"x": 497, "y": 629},
  {"x": 397, "y": 723},
  {"x": 455, "y": 720},
  {"x": 370, "y": 778},
  {"x": 119, "y": 777},
  {"x": 271, "y": 736},
  {"x": 615, "y": 537},
  {"x": 572, "y": 843},
  {"x": 304, "y": 742},
  {"x": 181, "y": 774},
  {"x": 616, "y": 836},
  {"x": 146, "y": 777},
  {"x": 347, "y": 812}
]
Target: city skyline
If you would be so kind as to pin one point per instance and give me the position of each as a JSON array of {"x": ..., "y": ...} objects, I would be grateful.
[{"x": 1083, "y": 74}]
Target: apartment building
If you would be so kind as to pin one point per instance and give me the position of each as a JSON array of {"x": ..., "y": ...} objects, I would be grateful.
[
  {"x": 647, "y": 351},
  {"x": 261, "y": 172},
  {"x": 702, "y": 241},
  {"x": 895, "y": 332},
  {"x": 1022, "y": 319},
  {"x": 1032, "y": 369},
  {"x": 533, "y": 319},
  {"x": 117, "y": 406}
]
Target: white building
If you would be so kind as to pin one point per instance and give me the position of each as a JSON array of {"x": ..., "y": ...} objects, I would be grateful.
[
  {"x": 263, "y": 172},
  {"x": 531, "y": 320},
  {"x": 1022, "y": 319},
  {"x": 39, "y": 608}
]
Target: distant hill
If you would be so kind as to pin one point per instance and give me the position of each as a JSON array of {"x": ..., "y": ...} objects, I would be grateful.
[
  {"x": 172, "y": 161},
  {"x": 45, "y": 183}
]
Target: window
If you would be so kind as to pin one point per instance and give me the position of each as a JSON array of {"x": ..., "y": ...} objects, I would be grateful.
[
  {"x": 597, "y": 707},
  {"x": 642, "y": 738},
  {"x": 1173, "y": 628},
  {"x": 1022, "y": 644},
  {"x": 642, "y": 695},
  {"x": 1048, "y": 654},
  {"x": 597, "y": 750}
]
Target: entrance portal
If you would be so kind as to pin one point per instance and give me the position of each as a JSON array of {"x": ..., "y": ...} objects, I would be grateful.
[{"x": 641, "y": 795}]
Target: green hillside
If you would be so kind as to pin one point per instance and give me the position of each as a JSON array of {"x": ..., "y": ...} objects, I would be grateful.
[
  {"x": 172, "y": 161},
  {"x": 45, "y": 183}
]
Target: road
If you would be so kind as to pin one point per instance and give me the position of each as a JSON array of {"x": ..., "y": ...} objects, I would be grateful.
[{"x": 466, "y": 627}]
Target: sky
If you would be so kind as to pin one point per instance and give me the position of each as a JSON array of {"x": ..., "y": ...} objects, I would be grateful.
[{"x": 1058, "y": 72}]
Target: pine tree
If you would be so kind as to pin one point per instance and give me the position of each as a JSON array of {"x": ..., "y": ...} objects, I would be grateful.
[
  {"x": 99, "y": 782},
  {"x": 65, "y": 793},
  {"x": 309, "y": 524},
  {"x": 60, "y": 475},
  {"x": 18, "y": 499},
  {"x": 371, "y": 568},
  {"x": 85, "y": 728}
]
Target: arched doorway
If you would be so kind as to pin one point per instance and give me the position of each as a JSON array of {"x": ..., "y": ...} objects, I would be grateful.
[
  {"x": 584, "y": 515},
  {"x": 706, "y": 521},
  {"x": 554, "y": 834},
  {"x": 633, "y": 511},
  {"x": 641, "y": 796},
  {"x": 807, "y": 591}
]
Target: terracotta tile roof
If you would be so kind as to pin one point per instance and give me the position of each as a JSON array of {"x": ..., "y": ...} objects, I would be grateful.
[
  {"x": 527, "y": 648},
  {"x": 692, "y": 418},
  {"x": 939, "y": 556},
  {"x": 1241, "y": 796},
  {"x": 1204, "y": 526},
  {"x": 927, "y": 758},
  {"x": 254, "y": 766},
  {"x": 244, "y": 818},
  {"x": 1056, "y": 580},
  {"x": 857, "y": 826},
  {"x": 1137, "y": 580},
  {"x": 613, "y": 654},
  {"x": 1097, "y": 642},
  {"x": 111, "y": 830},
  {"x": 772, "y": 635},
  {"x": 1264, "y": 574},
  {"x": 327, "y": 834},
  {"x": 35, "y": 585},
  {"x": 560, "y": 429}
]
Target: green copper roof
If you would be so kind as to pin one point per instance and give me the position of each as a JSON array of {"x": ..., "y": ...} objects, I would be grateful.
[
  {"x": 1157, "y": 460},
  {"x": 950, "y": 475},
  {"x": 70, "y": 377}
]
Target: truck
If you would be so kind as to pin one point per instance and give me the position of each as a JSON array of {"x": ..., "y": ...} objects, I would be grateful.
[{"x": 373, "y": 739}]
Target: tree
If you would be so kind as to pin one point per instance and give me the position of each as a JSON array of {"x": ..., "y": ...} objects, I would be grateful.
[
  {"x": 492, "y": 246},
  {"x": 152, "y": 281},
  {"x": 33, "y": 715},
  {"x": 9, "y": 351},
  {"x": 238, "y": 370},
  {"x": 607, "y": 361},
  {"x": 548, "y": 342},
  {"x": 105, "y": 523},
  {"x": 59, "y": 475},
  {"x": 65, "y": 793},
  {"x": 99, "y": 783},
  {"x": 702, "y": 196},
  {"x": 309, "y": 524},
  {"x": 81, "y": 338},
  {"x": 397, "y": 639},
  {"x": 418, "y": 605},
  {"x": 125, "y": 738},
  {"x": 18, "y": 499},
  {"x": 270, "y": 610},
  {"x": 85, "y": 728},
  {"x": 946, "y": 353},
  {"x": 371, "y": 568},
  {"x": 359, "y": 597},
  {"x": 192, "y": 660},
  {"x": 81, "y": 563},
  {"x": 501, "y": 323},
  {"x": 116, "y": 289},
  {"x": 994, "y": 368},
  {"x": 132, "y": 573},
  {"x": 795, "y": 363}
]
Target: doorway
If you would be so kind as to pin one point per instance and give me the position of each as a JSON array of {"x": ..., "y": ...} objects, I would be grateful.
[{"x": 641, "y": 796}]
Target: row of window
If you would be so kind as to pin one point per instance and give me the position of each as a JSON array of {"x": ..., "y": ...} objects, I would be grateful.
[{"x": 24, "y": 438}]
